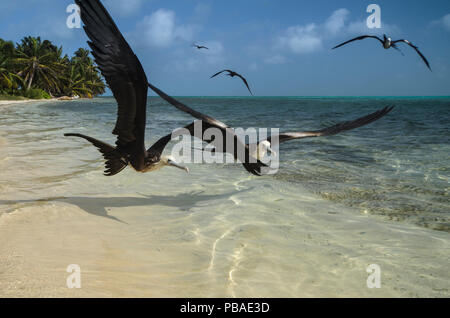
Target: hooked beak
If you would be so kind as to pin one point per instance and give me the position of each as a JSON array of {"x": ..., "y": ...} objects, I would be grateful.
[{"x": 176, "y": 165}]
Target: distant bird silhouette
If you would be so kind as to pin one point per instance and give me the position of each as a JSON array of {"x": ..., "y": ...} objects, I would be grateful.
[
  {"x": 200, "y": 46},
  {"x": 233, "y": 74},
  {"x": 387, "y": 44}
]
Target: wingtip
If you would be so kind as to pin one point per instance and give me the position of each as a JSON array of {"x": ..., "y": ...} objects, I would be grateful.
[{"x": 388, "y": 109}]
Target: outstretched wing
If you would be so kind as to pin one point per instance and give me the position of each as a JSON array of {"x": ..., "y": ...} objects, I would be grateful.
[
  {"x": 120, "y": 67},
  {"x": 333, "y": 130},
  {"x": 245, "y": 82},
  {"x": 220, "y": 73},
  {"x": 179, "y": 105},
  {"x": 362, "y": 37},
  {"x": 417, "y": 50}
]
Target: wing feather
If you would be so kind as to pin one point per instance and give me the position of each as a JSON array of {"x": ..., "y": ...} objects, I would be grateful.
[
  {"x": 362, "y": 37},
  {"x": 335, "y": 129},
  {"x": 121, "y": 68},
  {"x": 416, "y": 49}
]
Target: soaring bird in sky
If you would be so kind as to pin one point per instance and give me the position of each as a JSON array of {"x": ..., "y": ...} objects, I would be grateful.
[
  {"x": 233, "y": 74},
  {"x": 200, "y": 46},
  {"x": 387, "y": 44}
]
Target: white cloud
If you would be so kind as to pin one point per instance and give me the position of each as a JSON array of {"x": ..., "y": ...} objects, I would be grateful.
[
  {"x": 336, "y": 22},
  {"x": 360, "y": 27},
  {"x": 444, "y": 22},
  {"x": 160, "y": 30},
  {"x": 300, "y": 39},
  {"x": 275, "y": 59},
  {"x": 303, "y": 39}
]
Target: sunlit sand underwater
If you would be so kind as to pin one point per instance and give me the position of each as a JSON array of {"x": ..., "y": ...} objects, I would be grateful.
[{"x": 375, "y": 195}]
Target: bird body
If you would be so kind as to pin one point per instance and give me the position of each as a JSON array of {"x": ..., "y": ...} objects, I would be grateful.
[
  {"x": 200, "y": 46},
  {"x": 387, "y": 43},
  {"x": 262, "y": 149}
]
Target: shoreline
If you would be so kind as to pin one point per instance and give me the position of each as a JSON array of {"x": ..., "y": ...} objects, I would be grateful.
[{"x": 26, "y": 101}]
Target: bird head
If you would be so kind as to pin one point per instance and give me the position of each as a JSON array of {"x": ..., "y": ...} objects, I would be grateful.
[
  {"x": 265, "y": 147},
  {"x": 170, "y": 161}
]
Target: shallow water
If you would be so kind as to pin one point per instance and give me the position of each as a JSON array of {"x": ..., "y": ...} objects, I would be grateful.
[{"x": 376, "y": 195}]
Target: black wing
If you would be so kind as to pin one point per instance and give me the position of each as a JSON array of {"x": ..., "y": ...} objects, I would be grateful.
[
  {"x": 417, "y": 50},
  {"x": 179, "y": 105},
  {"x": 120, "y": 67},
  {"x": 362, "y": 37},
  {"x": 245, "y": 82},
  {"x": 221, "y": 73},
  {"x": 333, "y": 130}
]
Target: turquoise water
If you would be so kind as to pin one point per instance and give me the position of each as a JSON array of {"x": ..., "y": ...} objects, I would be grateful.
[{"x": 398, "y": 167}]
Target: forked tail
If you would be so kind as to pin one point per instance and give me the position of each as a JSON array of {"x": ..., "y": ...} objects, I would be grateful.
[{"x": 114, "y": 162}]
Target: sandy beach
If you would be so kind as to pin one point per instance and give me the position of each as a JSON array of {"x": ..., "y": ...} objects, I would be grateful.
[
  {"x": 216, "y": 232},
  {"x": 14, "y": 102},
  {"x": 28, "y": 101}
]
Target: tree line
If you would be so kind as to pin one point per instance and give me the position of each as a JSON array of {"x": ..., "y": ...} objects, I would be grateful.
[{"x": 36, "y": 68}]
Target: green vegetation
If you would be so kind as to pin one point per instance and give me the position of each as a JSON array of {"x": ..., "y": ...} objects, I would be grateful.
[{"x": 37, "y": 69}]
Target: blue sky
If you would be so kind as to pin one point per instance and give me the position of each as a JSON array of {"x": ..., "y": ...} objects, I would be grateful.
[{"x": 282, "y": 47}]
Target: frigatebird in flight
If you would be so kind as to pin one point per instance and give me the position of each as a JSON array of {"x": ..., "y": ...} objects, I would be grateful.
[
  {"x": 200, "y": 46},
  {"x": 125, "y": 76},
  {"x": 256, "y": 152},
  {"x": 387, "y": 44},
  {"x": 233, "y": 74}
]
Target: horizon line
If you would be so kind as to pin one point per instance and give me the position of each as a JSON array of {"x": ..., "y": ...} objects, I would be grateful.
[{"x": 302, "y": 96}]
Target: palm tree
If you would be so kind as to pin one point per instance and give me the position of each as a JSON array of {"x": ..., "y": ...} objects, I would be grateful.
[
  {"x": 34, "y": 63},
  {"x": 8, "y": 78},
  {"x": 84, "y": 64},
  {"x": 39, "y": 60},
  {"x": 75, "y": 83}
]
